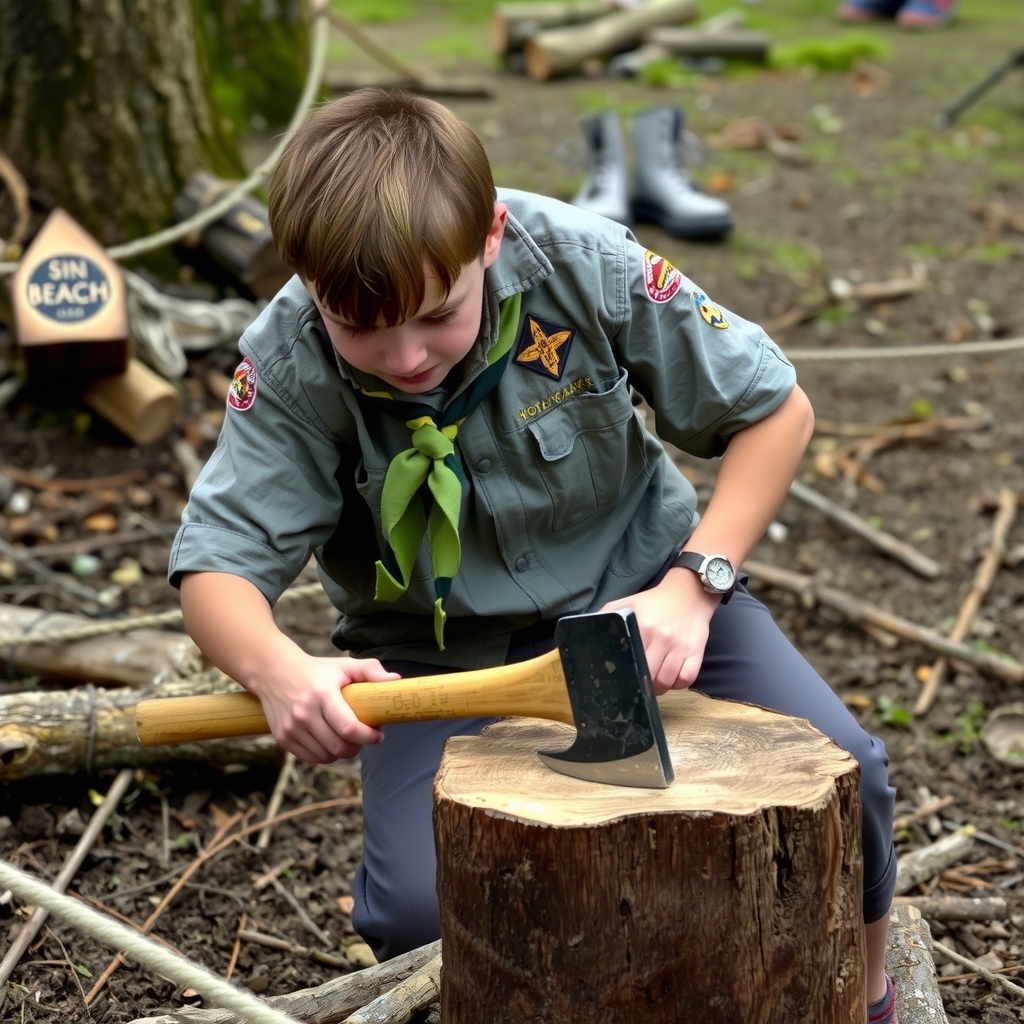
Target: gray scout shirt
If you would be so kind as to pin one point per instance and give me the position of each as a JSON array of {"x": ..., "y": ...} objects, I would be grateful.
[{"x": 569, "y": 502}]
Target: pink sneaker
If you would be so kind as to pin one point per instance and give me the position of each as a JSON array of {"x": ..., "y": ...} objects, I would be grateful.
[
  {"x": 926, "y": 13},
  {"x": 884, "y": 1011},
  {"x": 868, "y": 10}
]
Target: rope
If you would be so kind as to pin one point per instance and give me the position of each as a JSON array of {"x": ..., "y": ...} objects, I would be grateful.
[
  {"x": 168, "y": 618},
  {"x": 965, "y": 348},
  {"x": 318, "y": 53},
  {"x": 162, "y": 961}
]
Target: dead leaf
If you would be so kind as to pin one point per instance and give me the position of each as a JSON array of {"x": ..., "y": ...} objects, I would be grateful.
[
  {"x": 220, "y": 818},
  {"x": 101, "y": 522},
  {"x": 720, "y": 182},
  {"x": 346, "y": 904}
]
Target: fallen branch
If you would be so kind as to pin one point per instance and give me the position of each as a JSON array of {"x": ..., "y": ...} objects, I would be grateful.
[
  {"x": 83, "y": 598},
  {"x": 983, "y": 579},
  {"x": 909, "y": 962},
  {"x": 957, "y": 908},
  {"x": 96, "y": 483},
  {"x": 877, "y": 291},
  {"x": 397, "y": 1006},
  {"x": 74, "y": 861},
  {"x": 861, "y": 612},
  {"x": 919, "y": 865},
  {"x": 924, "y": 811},
  {"x": 893, "y": 432},
  {"x": 329, "y": 1003},
  {"x": 272, "y": 942},
  {"x": 898, "y": 549},
  {"x": 995, "y": 979},
  {"x": 274, "y": 804}
]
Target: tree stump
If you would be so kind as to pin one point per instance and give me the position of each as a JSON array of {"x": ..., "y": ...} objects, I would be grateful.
[{"x": 733, "y": 895}]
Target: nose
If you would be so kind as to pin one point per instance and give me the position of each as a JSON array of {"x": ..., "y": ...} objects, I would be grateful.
[{"x": 405, "y": 353}]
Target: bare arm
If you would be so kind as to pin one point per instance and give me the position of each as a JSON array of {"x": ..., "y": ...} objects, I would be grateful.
[
  {"x": 758, "y": 466},
  {"x": 234, "y": 627}
]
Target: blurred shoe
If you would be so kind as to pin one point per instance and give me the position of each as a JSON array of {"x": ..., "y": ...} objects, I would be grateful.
[
  {"x": 926, "y": 13},
  {"x": 665, "y": 195},
  {"x": 868, "y": 10},
  {"x": 604, "y": 190}
]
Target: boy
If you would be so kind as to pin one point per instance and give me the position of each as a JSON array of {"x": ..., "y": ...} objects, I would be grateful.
[{"x": 485, "y": 349}]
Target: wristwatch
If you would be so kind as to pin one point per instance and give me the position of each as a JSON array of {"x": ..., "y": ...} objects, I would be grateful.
[{"x": 716, "y": 572}]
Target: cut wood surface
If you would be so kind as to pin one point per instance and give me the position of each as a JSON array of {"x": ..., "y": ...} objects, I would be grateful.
[
  {"x": 733, "y": 895},
  {"x": 561, "y": 49},
  {"x": 909, "y": 962},
  {"x": 329, "y": 1003},
  {"x": 88, "y": 729},
  {"x": 133, "y": 659}
]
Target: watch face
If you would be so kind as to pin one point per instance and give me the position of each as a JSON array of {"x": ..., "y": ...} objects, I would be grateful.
[{"x": 720, "y": 574}]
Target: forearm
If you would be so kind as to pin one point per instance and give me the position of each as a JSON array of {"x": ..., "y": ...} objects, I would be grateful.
[
  {"x": 233, "y": 625},
  {"x": 758, "y": 466}
]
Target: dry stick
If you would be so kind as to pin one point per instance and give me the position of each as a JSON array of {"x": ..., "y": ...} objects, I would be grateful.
[
  {"x": 996, "y": 979},
  {"x": 859, "y": 611},
  {"x": 399, "y": 1004},
  {"x": 308, "y": 922},
  {"x": 80, "y": 595},
  {"x": 71, "y": 865},
  {"x": 924, "y": 811},
  {"x": 145, "y": 928},
  {"x": 906, "y": 553},
  {"x": 217, "y": 845},
  {"x": 96, "y": 483},
  {"x": 983, "y": 579},
  {"x": 237, "y": 947},
  {"x": 18, "y": 189},
  {"x": 957, "y": 908},
  {"x": 272, "y": 942},
  {"x": 275, "y": 799},
  {"x": 918, "y": 430}
]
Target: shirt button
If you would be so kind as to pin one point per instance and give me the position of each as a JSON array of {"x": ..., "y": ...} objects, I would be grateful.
[
  {"x": 483, "y": 466},
  {"x": 522, "y": 564}
]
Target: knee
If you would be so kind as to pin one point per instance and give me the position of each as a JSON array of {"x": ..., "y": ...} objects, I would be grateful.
[{"x": 393, "y": 920}]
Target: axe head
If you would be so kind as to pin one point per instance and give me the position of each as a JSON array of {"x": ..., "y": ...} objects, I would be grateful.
[{"x": 619, "y": 736}]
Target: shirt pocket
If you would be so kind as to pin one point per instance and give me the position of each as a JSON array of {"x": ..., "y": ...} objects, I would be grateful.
[{"x": 588, "y": 450}]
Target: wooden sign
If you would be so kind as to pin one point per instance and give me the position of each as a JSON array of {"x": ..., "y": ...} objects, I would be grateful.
[{"x": 69, "y": 304}]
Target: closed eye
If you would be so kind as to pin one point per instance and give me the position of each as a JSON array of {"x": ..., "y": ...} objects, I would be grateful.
[{"x": 443, "y": 320}]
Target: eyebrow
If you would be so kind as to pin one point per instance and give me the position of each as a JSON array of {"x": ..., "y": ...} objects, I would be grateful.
[{"x": 439, "y": 310}]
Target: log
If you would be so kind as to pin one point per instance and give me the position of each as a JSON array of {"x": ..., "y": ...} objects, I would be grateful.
[
  {"x": 682, "y": 42},
  {"x": 88, "y": 729},
  {"x": 920, "y": 865},
  {"x": 957, "y": 908},
  {"x": 562, "y": 49},
  {"x": 129, "y": 659},
  {"x": 240, "y": 241},
  {"x": 909, "y": 962},
  {"x": 513, "y": 24},
  {"x": 329, "y": 1003},
  {"x": 733, "y": 895}
]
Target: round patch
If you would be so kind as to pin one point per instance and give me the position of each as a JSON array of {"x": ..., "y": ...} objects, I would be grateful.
[
  {"x": 712, "y": 314},
  {"x": 68, "y": 288},
  {"x": 242, "y": 392},
  {"x": 661, "y": 279}
]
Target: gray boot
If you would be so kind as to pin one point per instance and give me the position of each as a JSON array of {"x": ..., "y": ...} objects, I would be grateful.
[
  {"x": 664, "y": 194},
  {"x": 604, "y": 191}
]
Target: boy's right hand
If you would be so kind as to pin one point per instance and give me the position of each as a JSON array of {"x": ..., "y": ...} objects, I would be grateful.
[{"x": 304, "y": 704}]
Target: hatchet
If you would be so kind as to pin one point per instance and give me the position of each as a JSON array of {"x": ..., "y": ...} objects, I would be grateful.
[{"x": 596, "y": 679}]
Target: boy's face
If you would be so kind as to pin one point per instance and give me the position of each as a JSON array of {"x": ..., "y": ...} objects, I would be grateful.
[{"x": 417, "y": 354}]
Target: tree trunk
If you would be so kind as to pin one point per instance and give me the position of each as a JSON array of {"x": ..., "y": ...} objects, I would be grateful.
[
  {"x": 86, "y": 729},
  {"x": 733, "y": 895},
  {"x": 106, "y": 109}
]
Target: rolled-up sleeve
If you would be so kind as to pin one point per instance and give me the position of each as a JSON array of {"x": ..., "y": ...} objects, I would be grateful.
[
  {"x": 705, "y": 371},
  {"x": 267, "y": 497}
]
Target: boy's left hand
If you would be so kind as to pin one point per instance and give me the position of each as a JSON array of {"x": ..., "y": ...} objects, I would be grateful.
[{"x": 673, "y": 618}]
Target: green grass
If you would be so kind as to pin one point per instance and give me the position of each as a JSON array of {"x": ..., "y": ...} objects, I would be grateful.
[
  {"x": 830, "y": 53},
  {"x": 375, "y": 12}
]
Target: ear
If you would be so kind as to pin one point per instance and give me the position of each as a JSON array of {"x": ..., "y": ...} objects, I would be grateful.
[{"x": 495, "y": 233}]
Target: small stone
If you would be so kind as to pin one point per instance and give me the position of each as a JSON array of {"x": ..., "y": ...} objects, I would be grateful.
[
  {"x": 71, "y": 824},
  {"x": 777, "y": 532},
  {"x": 19, "y": 503},
  {"x": 127, "y": 573},
  {"x": 85, "y": 565}
]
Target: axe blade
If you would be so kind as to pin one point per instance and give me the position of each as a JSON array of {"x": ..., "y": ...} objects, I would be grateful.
[{"x": 619, "y": 735}]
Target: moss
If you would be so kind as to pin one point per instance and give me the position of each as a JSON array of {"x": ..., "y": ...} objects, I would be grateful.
[{"x": 829, "y": 54}]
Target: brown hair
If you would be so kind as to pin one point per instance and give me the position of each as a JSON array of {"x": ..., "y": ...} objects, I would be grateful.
[{"x": 368, "y": 188}]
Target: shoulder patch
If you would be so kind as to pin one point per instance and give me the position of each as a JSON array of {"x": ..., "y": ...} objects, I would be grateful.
[
  {"x": 661, "y": 279},
  {"x": 712, "y": 314},
  {"x": 544, "y": 346},
  {"x": 242, "y": 392}
]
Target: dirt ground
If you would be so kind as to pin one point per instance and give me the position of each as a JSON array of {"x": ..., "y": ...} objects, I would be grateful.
[{"x": 882, "y": 193}]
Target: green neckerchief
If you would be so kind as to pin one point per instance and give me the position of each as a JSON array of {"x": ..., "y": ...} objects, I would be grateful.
[{"x": 408, "y": 509}]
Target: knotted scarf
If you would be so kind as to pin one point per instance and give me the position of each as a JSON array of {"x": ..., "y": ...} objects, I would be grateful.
[{"x": 408, "y": 508}]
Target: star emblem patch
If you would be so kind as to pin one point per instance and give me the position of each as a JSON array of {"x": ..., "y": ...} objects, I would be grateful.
[
  {"x": 712, "y": 314},
  {"x": 544, "y": 346}
]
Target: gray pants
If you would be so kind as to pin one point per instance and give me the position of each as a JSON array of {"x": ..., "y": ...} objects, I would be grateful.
[{"x": 747, "y": 659}]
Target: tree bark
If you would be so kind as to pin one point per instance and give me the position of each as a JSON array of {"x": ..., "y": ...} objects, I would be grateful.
[
  {"x": 106, "y": 109},
  {"x": 733, "y": 895},
  {"x": 87, "y": 729}
]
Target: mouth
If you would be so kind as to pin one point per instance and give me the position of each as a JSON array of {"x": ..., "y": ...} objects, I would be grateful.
[{"x": 416, "y": 378}]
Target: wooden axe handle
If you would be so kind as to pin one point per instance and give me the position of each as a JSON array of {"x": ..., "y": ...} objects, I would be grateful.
[{"x": 532, "y": 689}]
